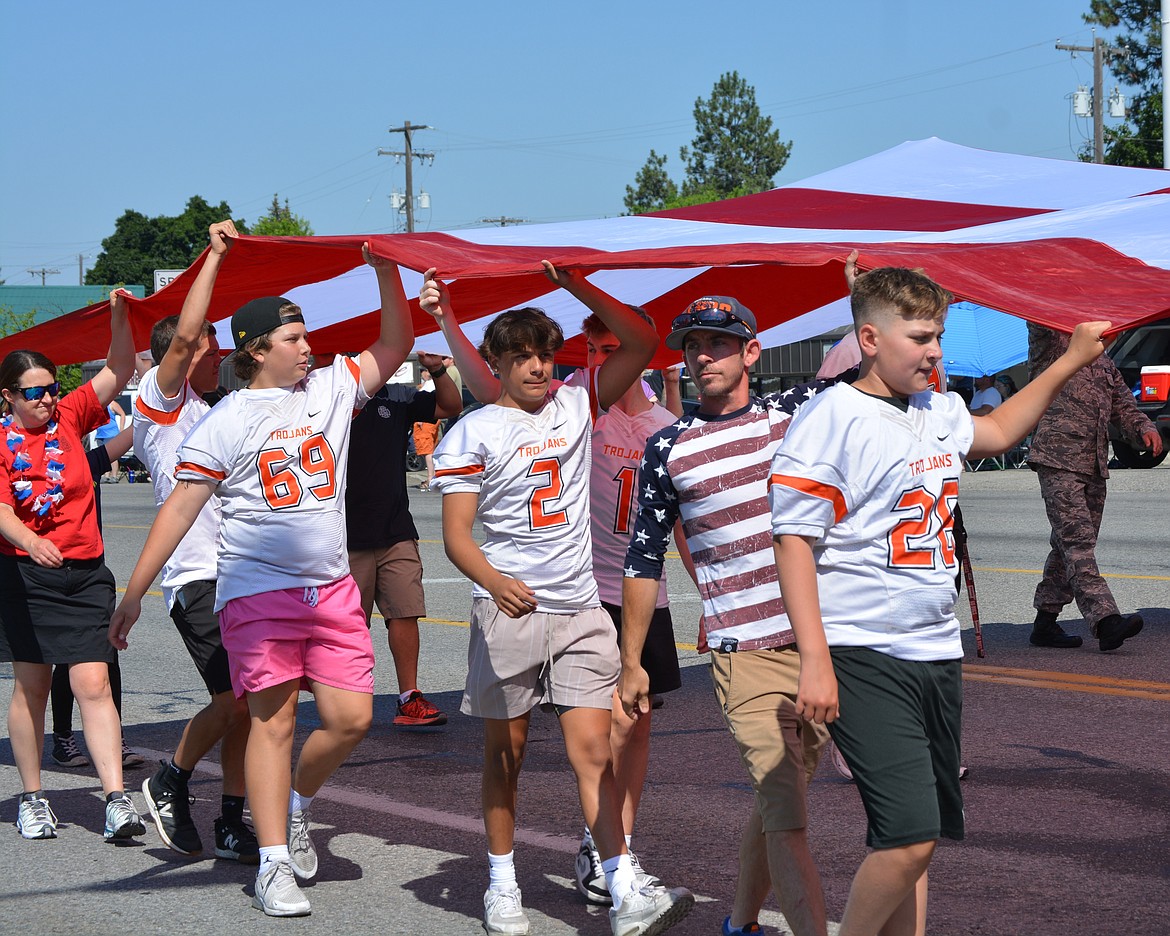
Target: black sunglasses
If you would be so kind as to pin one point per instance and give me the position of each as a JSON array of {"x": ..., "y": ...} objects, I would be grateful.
[
  {"x": 33, "y": 394},
  {"x": 710, "y": 316}
]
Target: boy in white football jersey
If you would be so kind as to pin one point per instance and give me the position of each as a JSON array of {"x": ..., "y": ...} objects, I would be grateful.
[
  {"x": 538, "y": 632},
  {"x": 186, "y": 355},
  {"x": 863, "y": 489},
  {"x": 290, "y": 614}
]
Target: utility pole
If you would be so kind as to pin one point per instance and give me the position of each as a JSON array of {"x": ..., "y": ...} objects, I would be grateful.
[
  {"x": 410, "y": 155},
  {"x": 42, "y": 273},
  {"x": 1100, "y": 50},
  {"x": 82, "y": 257},
  {"x": 504, "y": 220}
]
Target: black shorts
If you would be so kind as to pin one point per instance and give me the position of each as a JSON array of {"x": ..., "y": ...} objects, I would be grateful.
[
  {"x": 194, "y": 615},
  {"x": 899, "y": 734},
  {"x": 56, "y": 615},
  {"x": 659, "y": 654}
]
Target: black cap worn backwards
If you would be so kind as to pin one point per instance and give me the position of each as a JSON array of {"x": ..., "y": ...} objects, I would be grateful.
[{"x": 259, "y": 317}]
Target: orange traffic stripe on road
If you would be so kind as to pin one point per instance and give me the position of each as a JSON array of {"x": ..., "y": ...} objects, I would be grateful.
[{"x": 1069, "y": 682}]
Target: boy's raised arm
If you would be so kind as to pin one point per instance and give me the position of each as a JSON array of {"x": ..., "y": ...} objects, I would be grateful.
[
  {"x": 172, "y": 370},
  {"x": 435, "y": 300},
  {"x": 396, "y": 335},
  {"x": 1008, "y": 423},
  {"x": 637, "y": 338}
]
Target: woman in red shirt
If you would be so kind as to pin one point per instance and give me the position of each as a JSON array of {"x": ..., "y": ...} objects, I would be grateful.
[{"x": 56, "y": 594}]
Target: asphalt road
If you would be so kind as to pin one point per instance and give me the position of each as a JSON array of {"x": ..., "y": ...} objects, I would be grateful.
[{"x": 1066, "y": 803}]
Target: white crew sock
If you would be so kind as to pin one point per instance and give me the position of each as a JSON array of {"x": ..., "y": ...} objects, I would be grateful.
[
  {"x": 619, "y": 877},
  {"x": 272, "y": 853},
  {"x": 298, "y": 802},
  {"x": 501, "y": 871}
]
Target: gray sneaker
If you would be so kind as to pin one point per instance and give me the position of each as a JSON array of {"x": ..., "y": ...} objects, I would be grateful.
[
  {"x": 302, "y": 854},
  {"x": 641, "y": 875},
  {"x": 34, "y": 818},
  {"x": 503, "y": 913},
  {"x": 649, "y": 911},
  {"x": 122, "y": 819},
  {"x": 277, "y": 893}
]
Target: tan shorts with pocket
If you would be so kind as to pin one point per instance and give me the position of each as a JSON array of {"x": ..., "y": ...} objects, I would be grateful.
[
  {"x": 757, "y": 691},
  {"x": 515, "y": 664}
]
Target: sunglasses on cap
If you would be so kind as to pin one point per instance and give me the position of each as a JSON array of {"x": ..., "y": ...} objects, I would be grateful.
[
  {"x": 32, "y": 394},
  {"x": 709, "y": 315}
]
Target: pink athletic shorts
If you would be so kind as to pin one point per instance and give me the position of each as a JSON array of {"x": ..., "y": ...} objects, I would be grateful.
[{"x": 317, "y": 634}]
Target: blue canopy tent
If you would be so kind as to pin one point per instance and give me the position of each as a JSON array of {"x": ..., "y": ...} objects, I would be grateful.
[{"x": 980, "y": 341}]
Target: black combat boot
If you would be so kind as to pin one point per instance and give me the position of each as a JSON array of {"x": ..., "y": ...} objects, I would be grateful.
[
  {"x": 1115, "y": 630},
  {"x": 1047, "y": 633}
]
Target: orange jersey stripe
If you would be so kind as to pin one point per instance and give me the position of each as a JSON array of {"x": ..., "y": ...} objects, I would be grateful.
[
  {"x": 199, "y": 469},
  {"x": 454, "y": 472},
  {"x": 816, "y": 489},
  {"x": 354, "y": 368},
  {"x": 158, "y": 417}
]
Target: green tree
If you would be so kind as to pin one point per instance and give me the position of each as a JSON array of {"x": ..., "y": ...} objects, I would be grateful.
[
  {"x": 653, "y": 187},
  {"x": 735, "y": 147},
  {"x": 735, "y": 151},
  {"x": 281, "y": 222},
  {"x": 141, "y": 245},
  {"x": 1137, "y": 141}
]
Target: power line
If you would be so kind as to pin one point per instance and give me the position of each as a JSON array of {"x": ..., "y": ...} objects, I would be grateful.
[{"x": 42, "y": 273}]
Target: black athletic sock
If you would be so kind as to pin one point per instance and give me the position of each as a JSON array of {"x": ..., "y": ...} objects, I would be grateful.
[
  {"x": 232, "y": 809},
  {"x": 115, "y": 794},
  {"x": 174, "y": 778}
]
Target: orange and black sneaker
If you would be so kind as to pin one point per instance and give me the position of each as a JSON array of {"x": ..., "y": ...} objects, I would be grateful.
[{"x": 417, "y": 712}]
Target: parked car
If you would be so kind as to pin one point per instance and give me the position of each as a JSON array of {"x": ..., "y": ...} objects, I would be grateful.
[{"x": 1144, "y": 346}]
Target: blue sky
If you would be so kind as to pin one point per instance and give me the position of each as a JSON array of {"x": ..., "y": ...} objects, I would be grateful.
[{"x": 542, "y": 111}]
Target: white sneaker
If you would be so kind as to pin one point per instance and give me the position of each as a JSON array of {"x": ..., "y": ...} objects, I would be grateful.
[
  {"x": 649, "y": 911},
  {"x": 590, "y": 876},
  {"x": 302, "y": 854},
  {"x": 35, "y": 820},
  {"x": 277, "y": 893},
  {"x": 503, "y": 913}
]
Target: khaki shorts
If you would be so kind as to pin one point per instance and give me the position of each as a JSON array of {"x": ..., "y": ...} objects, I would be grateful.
[
  {"x": 757, "y": 692},
  {"x": 392, "y": 577},
  {"x": 515, "y": 664}
]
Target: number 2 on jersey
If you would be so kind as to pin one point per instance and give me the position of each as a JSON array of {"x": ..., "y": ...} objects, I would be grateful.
[
  {"x": 313, "y": 461},
  {"x": 538, "y": 517},
  {"x": 927, "y": 534}
]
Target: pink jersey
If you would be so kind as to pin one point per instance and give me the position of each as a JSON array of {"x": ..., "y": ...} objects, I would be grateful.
[{"x": 618, "y": 443}]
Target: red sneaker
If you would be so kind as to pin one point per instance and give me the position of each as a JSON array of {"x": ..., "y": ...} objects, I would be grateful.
[{"x": 417, "y": 711}]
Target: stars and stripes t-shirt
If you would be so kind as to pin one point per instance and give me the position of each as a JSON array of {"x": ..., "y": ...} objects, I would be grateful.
[
  {"x": 713, "y": 471},
  {"x": 279, "y": 456},
  {"x": 531, "y": 474},
  {"x": 878, "y": 487},
  {"x": 160, "y": 425}
]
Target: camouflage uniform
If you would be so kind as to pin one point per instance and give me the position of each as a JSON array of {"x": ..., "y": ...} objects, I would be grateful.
[{"x": 1070, "y": 454}]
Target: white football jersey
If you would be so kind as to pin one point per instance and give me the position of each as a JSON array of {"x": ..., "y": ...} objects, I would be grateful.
[
  {"x": 531, "y": 472},
  {"x": 877, "y": 488},
  {"x": 618, "y": 442},
  {"x": 160, "y": 425},
  {"x": 279, "y": 456}
]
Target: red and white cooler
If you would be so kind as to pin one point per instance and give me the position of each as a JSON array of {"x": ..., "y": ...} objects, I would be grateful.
[{"x": 1155, "y": 384}]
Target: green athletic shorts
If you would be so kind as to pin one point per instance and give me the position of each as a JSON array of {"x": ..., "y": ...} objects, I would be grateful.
[{"x": 899, "y": 734}]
